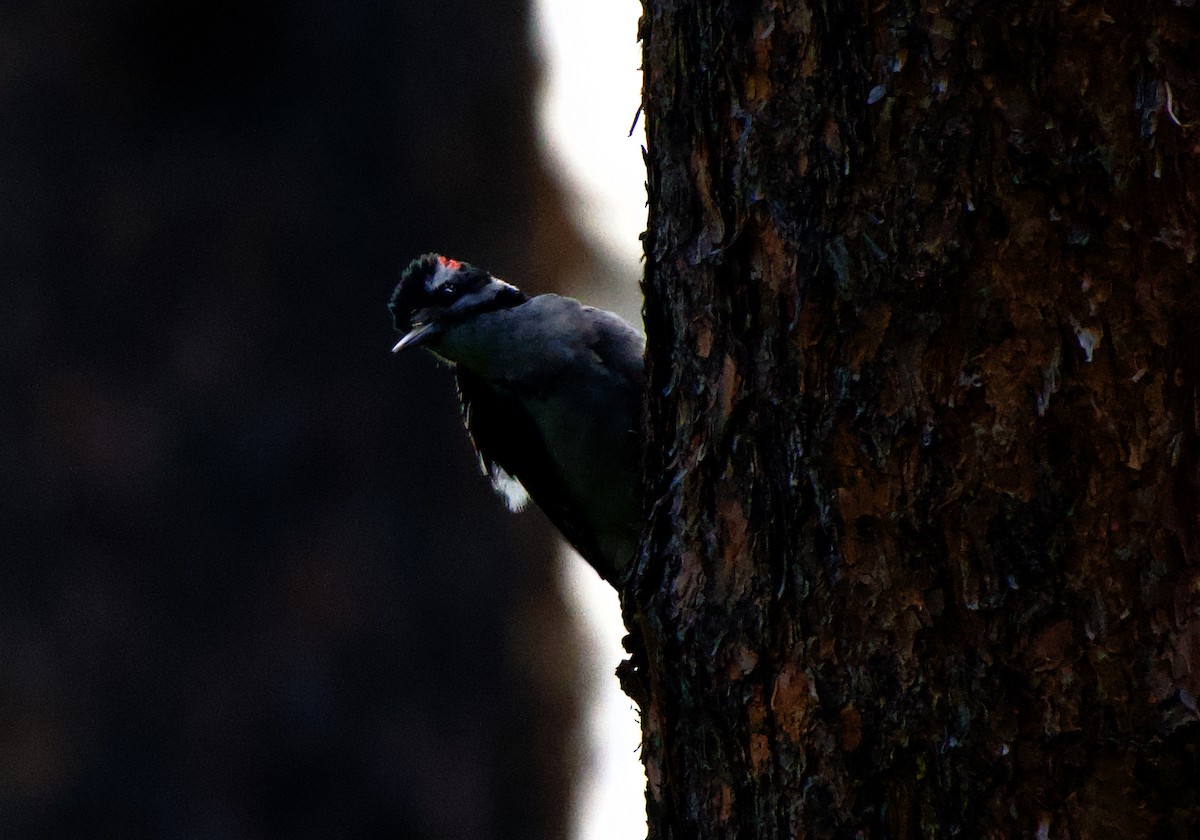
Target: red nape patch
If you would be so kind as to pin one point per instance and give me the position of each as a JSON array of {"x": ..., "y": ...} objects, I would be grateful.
[{"x": 453, "y": 265}]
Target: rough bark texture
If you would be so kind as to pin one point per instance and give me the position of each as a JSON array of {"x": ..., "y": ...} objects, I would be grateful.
[{"x": 922, "y": 308}]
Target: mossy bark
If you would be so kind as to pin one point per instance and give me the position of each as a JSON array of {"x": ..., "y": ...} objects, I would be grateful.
[{"x": 922, "y": 306}]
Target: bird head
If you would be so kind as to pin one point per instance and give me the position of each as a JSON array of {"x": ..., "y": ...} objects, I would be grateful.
[{"x": 436, "y": 293}]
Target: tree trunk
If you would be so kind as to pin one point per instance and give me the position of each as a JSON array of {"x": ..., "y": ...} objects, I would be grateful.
[{"x": 922, "y": 309}]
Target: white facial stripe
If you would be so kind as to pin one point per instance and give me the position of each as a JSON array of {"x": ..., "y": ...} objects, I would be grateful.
[
  {"x": 479, "y": 297},
  {"x": 441, "y": 274}
]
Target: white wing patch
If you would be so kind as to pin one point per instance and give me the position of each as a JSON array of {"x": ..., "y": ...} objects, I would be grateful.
[{"x": 513, "y": 492}]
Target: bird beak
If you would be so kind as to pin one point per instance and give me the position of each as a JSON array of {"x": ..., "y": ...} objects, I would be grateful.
[{"x": 416, "y": 337}]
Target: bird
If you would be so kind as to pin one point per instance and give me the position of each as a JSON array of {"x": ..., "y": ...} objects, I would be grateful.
[{"x": 551, "y": 394}]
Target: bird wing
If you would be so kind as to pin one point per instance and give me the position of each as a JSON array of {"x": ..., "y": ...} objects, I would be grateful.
[{"x": 508, "y": 441}]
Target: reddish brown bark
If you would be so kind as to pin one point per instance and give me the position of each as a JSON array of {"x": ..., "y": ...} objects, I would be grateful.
[{"x": 922, "y": 312}]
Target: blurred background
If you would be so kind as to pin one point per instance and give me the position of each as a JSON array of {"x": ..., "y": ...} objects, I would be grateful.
[{"x": 251, "y": 582}]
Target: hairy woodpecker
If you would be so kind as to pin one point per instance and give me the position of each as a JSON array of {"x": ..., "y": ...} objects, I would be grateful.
[{"x": 551, "y": 394}]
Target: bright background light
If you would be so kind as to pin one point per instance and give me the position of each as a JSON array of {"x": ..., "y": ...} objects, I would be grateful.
[
  {"x": 611, "y": 798},
  {"x": 590, "y": 95},
  {"x": 591, "y": 90}
]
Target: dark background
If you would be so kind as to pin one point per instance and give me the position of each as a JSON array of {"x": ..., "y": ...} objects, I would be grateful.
[{"x": 252, "y": 584}]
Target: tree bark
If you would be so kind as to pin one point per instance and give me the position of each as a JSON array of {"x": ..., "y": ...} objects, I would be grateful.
[{"x": 922, "y": 306}]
